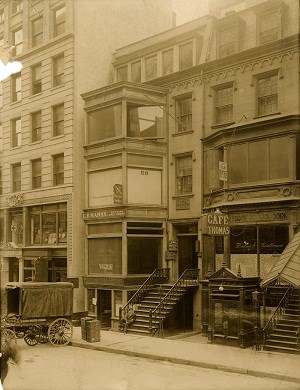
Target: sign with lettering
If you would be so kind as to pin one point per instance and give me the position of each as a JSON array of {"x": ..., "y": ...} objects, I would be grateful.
[
  {"x": 222, "y": 170},
  {"x": 183, "y": 204},
  {"x": 215, "y": 224},
  {"x": 103, "y": 214},
  {"x": 118, "y": 194}
]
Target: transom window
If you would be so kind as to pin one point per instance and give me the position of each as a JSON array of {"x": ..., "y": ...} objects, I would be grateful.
[
  {"x": 184, "y": 175},
  {"x": 224, "y": 105},
  {"x": 267, "y": 95},
  {"x": 58, "y": 70},
  {"x": 59, "y": 22},
  {"x": 16, "y": 87},
  {"x": 16, "y": 132},
  {"x": 36, "y": 74},
  {"x": 184, "y": 114},
  {"x": 16, "y": 177},
  {"x": 58, "y": 120},
  {"x": 18, "y": 41},
  {"x": 36, "y": 128},
  {"x": 58, "y": 170},
  {"x": 37, "y": 31},
  {"x": 227, "y": 41},
  {"x": 36, "y": 171},
  {"x": 269, "y": 27}
]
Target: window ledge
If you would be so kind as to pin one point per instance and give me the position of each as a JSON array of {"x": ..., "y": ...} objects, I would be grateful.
[
  {"x": 265, "y": 115},
  {"x": 182, "y": 133},
  {"x": 188, "y": 195},
  {"x": 33, "y": 95},
  {"x": 218, "y": 126},
  {"x": 36, "y": 142},
  {"x": 15, "y": 102},
  {"x": 54, "y": 88},
  {"x": 57, "y": 136},
  {"x": 16, "y": 147}
]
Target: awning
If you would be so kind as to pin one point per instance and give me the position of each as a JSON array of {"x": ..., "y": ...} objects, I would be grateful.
[{"x": 287, "y": 268}]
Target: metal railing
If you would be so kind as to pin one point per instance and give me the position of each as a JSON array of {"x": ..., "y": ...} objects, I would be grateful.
[
  {"x": 277, "y": 315},
  {"x": 158, "y": 276},
  {"x": 190, "y": 277}
]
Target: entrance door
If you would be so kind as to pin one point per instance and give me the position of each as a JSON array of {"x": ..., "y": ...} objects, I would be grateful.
[
  {"x": 187, "y": 256},
  {"x": 104, "y": 307},
  {"x": 13, "y": 269}
]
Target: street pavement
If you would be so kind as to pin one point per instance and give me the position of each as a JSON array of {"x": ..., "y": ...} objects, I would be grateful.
[{"x": 193, "y": 349}]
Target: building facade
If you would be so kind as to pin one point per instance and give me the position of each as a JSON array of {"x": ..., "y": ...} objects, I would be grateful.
[
  {"x": 229, "y": 143},
  {"x": 60, "y": 44}
]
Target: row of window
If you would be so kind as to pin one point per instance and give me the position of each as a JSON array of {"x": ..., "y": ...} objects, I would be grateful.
[
  {"x": 36, "y": 79},
  {"x": 35, "y": 126},
  {"x": 58, "y": 175},
  {"x": 267, "y": 103},
  {"x": 183, "y": 56},
  {"x": 36, "y": 28}
]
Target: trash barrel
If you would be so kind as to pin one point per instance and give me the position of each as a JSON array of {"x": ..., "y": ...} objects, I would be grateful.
[
  {"x": 83, "y": 322},
  {"x": 92, "y": 331}
]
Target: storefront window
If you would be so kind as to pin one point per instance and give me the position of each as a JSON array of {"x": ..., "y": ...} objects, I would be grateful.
[
  {"x": 144, "y": 121},
  {"x": 90, "y": 304},
  {"x": 118, "y": 302},
  {"x": 105, "y": 123},
  {"x": 105, "y": 255},
  {"x": 48, "y": 225},
  {"x": 144, "y": 254},
  {"x": 29, "y": 270}
]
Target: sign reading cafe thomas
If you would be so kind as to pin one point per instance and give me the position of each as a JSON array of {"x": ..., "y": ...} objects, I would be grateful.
[{"x": 215, "y": 224}]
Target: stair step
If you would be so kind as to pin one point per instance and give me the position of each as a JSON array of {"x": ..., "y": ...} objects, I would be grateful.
[
  {"x": 280, "y": 349},
  {"x": 280, "y": 343},
  {"x": 288, "y": 327},
  {"x": 283, "y": 337}
]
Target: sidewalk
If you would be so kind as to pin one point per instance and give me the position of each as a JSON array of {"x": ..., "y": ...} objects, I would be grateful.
[{"x": 194, "y": 350}]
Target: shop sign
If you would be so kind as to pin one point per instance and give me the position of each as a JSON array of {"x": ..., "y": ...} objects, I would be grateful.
[
  {"x": 170, "y": 255},
  {"x": 106, "y": 267},
  {"x": 222, "y": 170},
  {"x": 258, "y": 217},
  {"x": 172, "y": 246},
  {"x": 118, "y": 193},
  {"x": 215, "y": 224},
  {"x": 103, "y": 214}
]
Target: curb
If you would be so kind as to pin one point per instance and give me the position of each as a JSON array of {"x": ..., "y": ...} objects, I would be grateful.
[{"x": 213, "y": 366}]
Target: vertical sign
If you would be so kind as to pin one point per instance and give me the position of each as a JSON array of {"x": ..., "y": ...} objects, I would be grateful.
[
  {"x": 222, "y": 170},
  {"x": 118, "y": 194}
]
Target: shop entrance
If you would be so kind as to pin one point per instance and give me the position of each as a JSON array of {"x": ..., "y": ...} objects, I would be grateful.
[
  {"x": 104, "y": 308},
  {"x": 13, "y": 269}
]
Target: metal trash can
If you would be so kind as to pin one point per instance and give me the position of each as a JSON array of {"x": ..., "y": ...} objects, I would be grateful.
[
  {"x": 92, "y": 331},
  {"x": 83, "y": 322}
]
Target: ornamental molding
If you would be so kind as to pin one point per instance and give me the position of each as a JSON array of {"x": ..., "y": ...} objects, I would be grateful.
[
  {"x": 232, "y": 71},
  {"x": 49, "y": 199},
  {"x": 14, "y": 200}
]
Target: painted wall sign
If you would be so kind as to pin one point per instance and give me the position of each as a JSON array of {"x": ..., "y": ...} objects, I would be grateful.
[
  {"x": 215, "y": 224},
  {"x": 258, "y": 217}
]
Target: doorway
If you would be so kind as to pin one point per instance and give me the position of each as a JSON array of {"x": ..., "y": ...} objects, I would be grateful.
[
  {"x": 104, "y": 308},
  {"x": 187, "y": 256}
]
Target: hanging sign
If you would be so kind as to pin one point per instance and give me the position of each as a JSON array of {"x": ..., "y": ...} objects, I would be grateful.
[
  {"x": 215, "y": 224},
  {"x": 222, "y": 171}
]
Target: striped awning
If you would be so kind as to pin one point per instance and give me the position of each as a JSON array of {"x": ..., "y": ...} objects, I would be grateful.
[{"x": 287, "y": 268}]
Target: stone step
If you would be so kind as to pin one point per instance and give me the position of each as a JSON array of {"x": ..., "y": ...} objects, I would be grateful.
[
  {"x": 281, "y": 343},
  {"x": 283, "y": 335}
]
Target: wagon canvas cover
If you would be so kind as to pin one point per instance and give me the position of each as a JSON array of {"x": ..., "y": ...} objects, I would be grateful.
[{"x": 46, "y": 300}]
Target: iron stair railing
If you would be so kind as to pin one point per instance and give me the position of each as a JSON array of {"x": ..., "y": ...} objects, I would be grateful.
[
  {"x": 276, "y": 316},
  {"x": 158, "y": 276},
  {"x": 190, "y": 277}
]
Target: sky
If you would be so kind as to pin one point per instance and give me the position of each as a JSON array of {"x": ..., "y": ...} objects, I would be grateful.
[{"x": 187, "y": 10}]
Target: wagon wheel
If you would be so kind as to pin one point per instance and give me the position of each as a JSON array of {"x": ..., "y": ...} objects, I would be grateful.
[
  {"x": 60, "y": 332},
  {"x": 44, "y": 336},
  {"x": 8, "y": 335},
  {"x": 32, "y": 336}
]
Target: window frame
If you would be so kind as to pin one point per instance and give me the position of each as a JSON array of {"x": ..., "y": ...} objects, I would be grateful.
[
  {"x": 35, "y": 81},
  {"x": 179, "y": 114},
  {"x": 56, "y": 25},
  {"x": 37, "y": 37},
  {"x": 178, "y": 178},
  {"x": 55, "y": 74},
  {"x": 265, "y": 76},
  {"x": 260, "y": 20},
  {"x": 16, "y": 6},
  {"x": 16, "y": 93},
  {"x": 18, "y": 47},
  {"x": 57, "y": 120},
  {"x": 36, "y": 128},
  {"x": 218, "y": 107},
  {"x": 36, "y": 177},
  {"x": 16, "y": 182},
  {"x": 235, "y": 43},
  {"x": 16, "y": 136},
  {"x": 57, "y": 181},
  {"x": 191, "y": 42}
]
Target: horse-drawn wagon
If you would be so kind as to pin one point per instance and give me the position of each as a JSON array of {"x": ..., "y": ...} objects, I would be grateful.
[{"x": 39, "y": 312}]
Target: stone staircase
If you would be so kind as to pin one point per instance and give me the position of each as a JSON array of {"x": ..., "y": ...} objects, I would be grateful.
[
  {"x": 283, "y": 338},
  {"x": 142, "y": 324}
]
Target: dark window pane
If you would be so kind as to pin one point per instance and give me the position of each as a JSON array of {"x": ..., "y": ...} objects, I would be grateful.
[
  {"x": 238, "y": 164},
  {"x": 279, "y": 158},
  {"x": 105, "y": 255},
  {"x": 105, "y": 123},
  {"x": 144, "y": 255},
  {"x": 258, "y": 161}
]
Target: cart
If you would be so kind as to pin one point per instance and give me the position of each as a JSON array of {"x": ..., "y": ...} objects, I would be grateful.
[{"x": 39, "y": 312}]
